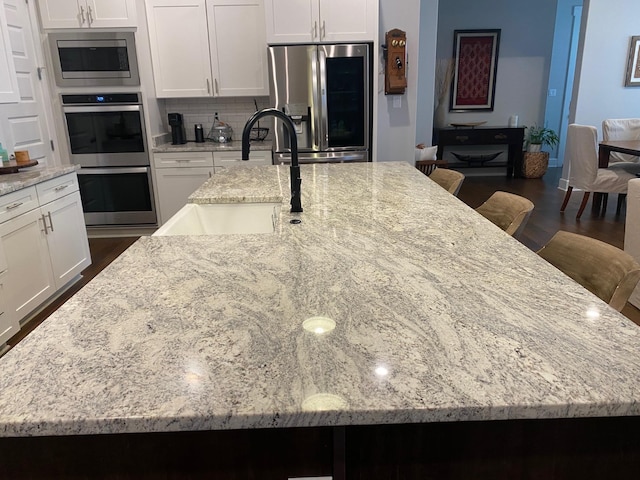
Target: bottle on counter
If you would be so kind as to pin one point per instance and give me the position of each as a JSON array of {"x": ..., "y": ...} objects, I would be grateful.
[
  {"x": 199, "y": 132},
  {"x": 4, "y": 155}
]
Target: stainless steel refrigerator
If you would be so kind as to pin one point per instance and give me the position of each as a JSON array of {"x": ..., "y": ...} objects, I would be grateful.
[{"x": 326, "y": 90}]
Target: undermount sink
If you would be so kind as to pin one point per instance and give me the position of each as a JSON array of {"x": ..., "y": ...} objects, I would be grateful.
[{"x": 219, "y": 219}]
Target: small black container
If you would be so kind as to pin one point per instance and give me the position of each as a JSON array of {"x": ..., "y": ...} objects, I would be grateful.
[{"x": 199, "y": 133}]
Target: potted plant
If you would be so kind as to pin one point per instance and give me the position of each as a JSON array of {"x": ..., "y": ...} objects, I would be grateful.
[
  {"x": 539, "y": 136},
  {"x": 536, "y": 162}
]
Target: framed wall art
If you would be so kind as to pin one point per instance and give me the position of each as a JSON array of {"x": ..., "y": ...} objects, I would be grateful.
[
  {"x": 632, "y": 78},
  {"x": 475, "y": 54}
]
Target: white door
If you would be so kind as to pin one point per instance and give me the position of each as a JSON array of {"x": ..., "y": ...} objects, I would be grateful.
[
  {"x": 179, "y": 48},
  {"x": 292, "y": 21},
  {"x": 347, "y": 20},
  {"x": 29, "y": 278},
  {"x": 238, "y": 47},
  {"x": 8, "y": 79},
  {"x": 66, "y": 238},
  {"x": 111, "y": 13},
  {"x": 24, "y": 124}
]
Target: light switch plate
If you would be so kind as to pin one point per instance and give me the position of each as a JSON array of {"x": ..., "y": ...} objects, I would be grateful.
[{"x": 397, "y": 101}]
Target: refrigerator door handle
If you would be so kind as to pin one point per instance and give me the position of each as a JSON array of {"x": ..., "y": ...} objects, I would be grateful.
[
  {"x": 322, "y": 93},
  {"x": 316, "y": 128}
]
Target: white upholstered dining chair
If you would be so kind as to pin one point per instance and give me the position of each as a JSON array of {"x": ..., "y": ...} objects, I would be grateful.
[
  {"x": 582, "y": 154},
  {"x": 621, "y": 129}
]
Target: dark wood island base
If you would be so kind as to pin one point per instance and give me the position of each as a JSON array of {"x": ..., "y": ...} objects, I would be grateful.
[{"x": 516, "y": 449}]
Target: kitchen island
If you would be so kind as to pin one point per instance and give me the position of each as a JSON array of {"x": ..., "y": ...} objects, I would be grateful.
[{"x": 394, "y": 331}]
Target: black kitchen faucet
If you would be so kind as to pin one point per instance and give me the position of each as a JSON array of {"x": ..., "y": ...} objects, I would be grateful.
[{"x": 296, "y": 203}]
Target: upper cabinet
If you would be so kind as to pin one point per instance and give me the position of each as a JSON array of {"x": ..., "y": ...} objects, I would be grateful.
[
  {"x": 211, "y": 48},
  {"x": 302, "y": 21},
  {"x": 87, "y": 13}
]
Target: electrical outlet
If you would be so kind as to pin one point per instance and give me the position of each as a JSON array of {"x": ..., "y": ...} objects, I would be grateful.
[
  {"x": 397, "y": 101},
  {"x": 553, "y": 92}
]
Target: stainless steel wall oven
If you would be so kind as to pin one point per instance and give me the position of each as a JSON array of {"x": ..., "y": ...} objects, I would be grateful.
[{"x": 106, "y": 138}]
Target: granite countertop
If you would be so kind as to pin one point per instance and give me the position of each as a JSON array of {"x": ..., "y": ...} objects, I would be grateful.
[
  {"x": 32, "y": 176},
  {"x": 439, "y": 316},
  {"x": 210, "y": 146}
]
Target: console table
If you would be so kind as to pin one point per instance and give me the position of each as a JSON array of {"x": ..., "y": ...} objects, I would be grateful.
[{"x": 513, "y": 137}]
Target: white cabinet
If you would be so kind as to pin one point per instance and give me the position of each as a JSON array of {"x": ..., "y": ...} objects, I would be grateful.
[
  {"x": 44, "y": 243},
  {"x": 8, "y": 79},
  {"x": 176, "y": 176},
  {"x": 208, "y": 48},
  {"x": 87, "y": 13},
  {"x": 293, "y": 21}
]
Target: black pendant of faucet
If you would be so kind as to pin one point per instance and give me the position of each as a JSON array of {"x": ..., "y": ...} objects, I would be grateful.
[{"x": 296, "y": 202}]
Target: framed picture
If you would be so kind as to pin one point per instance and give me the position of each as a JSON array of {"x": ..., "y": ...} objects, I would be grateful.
[
  {"x": 632, "y": 79},
  {"x": 475, "y": 54}
]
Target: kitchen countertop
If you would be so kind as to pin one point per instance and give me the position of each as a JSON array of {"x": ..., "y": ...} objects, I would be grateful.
[
  {"x": 210, "y": 146},
  {"x": 439, "y": 316},
  {"x": 32, "y": 176}
]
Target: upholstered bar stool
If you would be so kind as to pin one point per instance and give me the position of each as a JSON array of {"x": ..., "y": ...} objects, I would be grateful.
[
  {"x": 508, "y": 211},
  {"x": 450, "y": 180}
]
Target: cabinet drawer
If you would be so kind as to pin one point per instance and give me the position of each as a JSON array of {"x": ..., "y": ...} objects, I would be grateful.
[
  {"x": 231, "y": 159},
  {"x": 182, "y": 159},
  {"x": 18, "y": 202},
  {"x": 57, "y": 188}
]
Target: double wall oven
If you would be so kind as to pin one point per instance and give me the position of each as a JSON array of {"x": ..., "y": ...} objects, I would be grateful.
[{"x": 106, "y": 136}]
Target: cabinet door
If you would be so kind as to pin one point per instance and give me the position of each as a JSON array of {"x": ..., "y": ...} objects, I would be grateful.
[
  {"x": 63, "y": 13},
  {"x": 29, "y": 279},
  {"x": 66, "y": 238},
  {"x": 348, "y": 20},
  {"x": 179, "y": 48},
  {"x": 174, "y": 185},
  {"x": 292, "y": 21},
  {"x": 9, "y": 324},
  {"x": 111, "y": 13},
  {"x": 238, "y": 47}
]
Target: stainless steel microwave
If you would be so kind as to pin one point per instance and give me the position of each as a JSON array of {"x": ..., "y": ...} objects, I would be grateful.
[{"x": 94, "y": 59}]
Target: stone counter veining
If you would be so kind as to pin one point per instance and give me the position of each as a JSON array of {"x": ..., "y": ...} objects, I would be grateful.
[
  {"x": 439, "y": 316},
  {"x": 32, "y": 176}
]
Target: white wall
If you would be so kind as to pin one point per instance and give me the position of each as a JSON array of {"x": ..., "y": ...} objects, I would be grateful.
[
  {"x": 599, "y": 90},
  {"x": 396, "y": 132},
  {"x": 524, "y": 57}
]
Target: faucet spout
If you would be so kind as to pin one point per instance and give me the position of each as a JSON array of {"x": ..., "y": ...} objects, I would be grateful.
[{"x": 296, "y": 203}]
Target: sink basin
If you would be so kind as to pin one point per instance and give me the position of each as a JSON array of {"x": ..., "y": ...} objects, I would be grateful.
[{"x": 219, "y": 219}]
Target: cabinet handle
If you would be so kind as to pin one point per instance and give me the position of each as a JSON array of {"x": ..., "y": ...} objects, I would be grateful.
[
  {"x": 44, "y": 222},
  {"x": 215, "y": 82},
  {"x": 60, "y": 188},
  {"x": 13, "y": 205},
  {"x": 315, "y": 29},
  {"x": 50, "y": 221},
  {"x": 209, "y": 174},
  {"x": 462, "y": 138},
  {"x": 82, "y": 14},
  {"x": 208, "y": 87},
  {"x": 323, "y": 31},
  {"x": 90, "y": 14}
]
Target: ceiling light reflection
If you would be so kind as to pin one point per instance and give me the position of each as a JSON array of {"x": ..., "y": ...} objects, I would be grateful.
[{"x": 319, "y": 325}]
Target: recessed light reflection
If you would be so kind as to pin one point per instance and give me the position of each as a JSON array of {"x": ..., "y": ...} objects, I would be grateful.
[
  {"x": 382, "y": 371},
  {"x": 323, "y": 402},
  {"x": 319, "y": 325},
  {"x": 593, "y": 313}
]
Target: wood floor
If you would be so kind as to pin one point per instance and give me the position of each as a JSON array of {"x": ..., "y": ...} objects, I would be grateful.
[{"x": 545, "y": 220}]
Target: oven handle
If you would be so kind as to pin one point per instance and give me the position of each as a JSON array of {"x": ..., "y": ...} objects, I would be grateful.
[
  {"x": 105, "y": 108},
  {"x": 101, "y": 171}
]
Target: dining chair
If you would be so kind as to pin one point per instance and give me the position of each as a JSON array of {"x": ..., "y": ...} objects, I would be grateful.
[
  {"x": 428, "y": 166},
  {"x": 621, "y": 129},
  {"x": 450, "y": 180},
  {"x": 606, "y": 271},
  {"x": 581, "y": 153},
  {"x": 508, "y": 211}
]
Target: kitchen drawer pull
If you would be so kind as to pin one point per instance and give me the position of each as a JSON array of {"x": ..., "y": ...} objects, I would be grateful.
[
  {"x": 44, "y": 222},
  {"x": 14, "y": 205},
  {"x": 50, "y": 221},
  {"x": 59, "y": 188},
  {"x": 500, "y": 136}
]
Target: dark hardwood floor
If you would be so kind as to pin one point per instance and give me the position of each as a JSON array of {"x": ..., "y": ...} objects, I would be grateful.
[{"x": 545, "y": 220}]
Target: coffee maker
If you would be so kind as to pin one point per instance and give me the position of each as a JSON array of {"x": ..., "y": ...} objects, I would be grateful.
[{"x": 178, "y": 137}]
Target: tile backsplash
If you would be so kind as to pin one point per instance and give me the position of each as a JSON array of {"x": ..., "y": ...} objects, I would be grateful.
[{"x": 234, "y": 111}]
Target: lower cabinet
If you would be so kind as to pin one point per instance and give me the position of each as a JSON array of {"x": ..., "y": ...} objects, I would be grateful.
[
  {"x": 178, "y": 174},
  {"x": 43, "y": 250}
]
